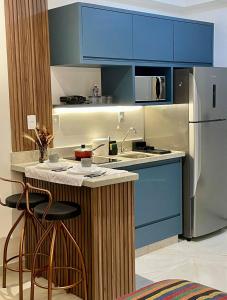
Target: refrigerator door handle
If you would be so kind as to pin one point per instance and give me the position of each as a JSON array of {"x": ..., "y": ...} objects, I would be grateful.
[
  {"x": 195, "y": 157},
  {"x": 214, "y": 95},
  {"x": 197, "y": 170},
  {"x": 208, "y": 121}
]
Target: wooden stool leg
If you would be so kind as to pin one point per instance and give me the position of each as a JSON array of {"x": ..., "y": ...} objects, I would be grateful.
[
  {"x": 21, "y": 250},
  {"x": 6, "y": 248},
  {"x": 35, "y": 229},
  {"x": 43, "y": 238},
  {"x": 81, "y": 259},
  {"x": 51, "y": 260},
  {"x": 66, "y": 257}
]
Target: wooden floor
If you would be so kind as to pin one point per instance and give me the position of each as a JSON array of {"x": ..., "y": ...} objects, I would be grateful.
[{"x": 105, "y": 233}]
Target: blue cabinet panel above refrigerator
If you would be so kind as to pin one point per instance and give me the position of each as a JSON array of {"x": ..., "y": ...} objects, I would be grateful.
[{"x": 193, "y": 42}]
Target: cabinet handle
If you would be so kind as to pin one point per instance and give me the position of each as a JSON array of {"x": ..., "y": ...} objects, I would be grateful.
[{"x": 158, "y": 87}]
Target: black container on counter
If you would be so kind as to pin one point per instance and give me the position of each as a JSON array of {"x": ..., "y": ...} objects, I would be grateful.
[{"x": 113, "y": 148}]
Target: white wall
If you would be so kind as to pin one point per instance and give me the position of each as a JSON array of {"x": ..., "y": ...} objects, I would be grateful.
[
  {"x": 82, "y": 127},
  {"x": 73, "y": 81},
  {"x": 75, "y": 128},
  {"x": 139, "y": 5},
  {"x": 219, "y": 17},
  {"x": 7, "y": 215}
]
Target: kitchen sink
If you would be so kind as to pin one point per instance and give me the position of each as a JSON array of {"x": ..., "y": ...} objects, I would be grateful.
[{"x": 135, "y": 155}]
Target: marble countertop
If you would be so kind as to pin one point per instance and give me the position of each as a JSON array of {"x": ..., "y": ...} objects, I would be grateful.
[
  {"x": 127, "y": 162},
  {"x": 116, "y": 178}
]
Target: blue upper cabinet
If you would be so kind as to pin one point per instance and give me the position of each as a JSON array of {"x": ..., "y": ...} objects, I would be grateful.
[
  {"x": 89, "y": 34},
  {"x": 193, "y": 42},
  {"x": 106, "y": 34},
  {"x": 152, "y": 38},
  {"x": 65, "y": 35}
]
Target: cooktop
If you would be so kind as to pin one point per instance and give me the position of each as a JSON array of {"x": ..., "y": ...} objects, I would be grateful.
[
  {"x": 97, "y": 160},
  {"x": 152, "y": 150},
  {"x": 142, "y": 146}
]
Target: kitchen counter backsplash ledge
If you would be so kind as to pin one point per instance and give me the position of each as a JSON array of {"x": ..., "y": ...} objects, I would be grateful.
[{"x": 33, "y": 156}]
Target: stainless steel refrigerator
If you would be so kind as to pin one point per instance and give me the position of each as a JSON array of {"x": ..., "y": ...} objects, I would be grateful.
[{"x": 197, "y": 124}]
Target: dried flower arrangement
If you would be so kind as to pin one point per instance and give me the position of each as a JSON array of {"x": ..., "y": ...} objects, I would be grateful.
[{"x": 42, "y": 139}]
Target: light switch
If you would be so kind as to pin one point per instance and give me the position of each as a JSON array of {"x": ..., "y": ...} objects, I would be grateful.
[{"x": 31, "y": 120}]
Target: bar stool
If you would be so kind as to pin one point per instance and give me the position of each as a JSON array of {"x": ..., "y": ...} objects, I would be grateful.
[
  {"x": 55, "y": 213},
  {"x": 19, "y": 201}
]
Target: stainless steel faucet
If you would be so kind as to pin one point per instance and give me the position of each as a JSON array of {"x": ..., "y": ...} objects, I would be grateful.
[{"x": 131, "y": 129}]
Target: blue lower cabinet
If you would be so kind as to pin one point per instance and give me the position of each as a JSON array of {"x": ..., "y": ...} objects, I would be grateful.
[
  {"x": 158, "y": 201},
  {"x": 158, "y": 231},
  {"x": 158, "y": 193}
]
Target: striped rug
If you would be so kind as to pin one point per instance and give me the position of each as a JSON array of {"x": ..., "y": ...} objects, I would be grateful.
[{"x": 175, "y": 290}]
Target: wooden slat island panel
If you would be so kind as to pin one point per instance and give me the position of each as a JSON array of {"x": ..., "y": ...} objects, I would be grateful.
[
  {"x": 27, "y": 35},
  {"x": 105, "y": 233}
]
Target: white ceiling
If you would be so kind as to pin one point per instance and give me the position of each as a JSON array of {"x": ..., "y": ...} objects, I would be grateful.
[
  {"x": 171, "y": 6},
  {"x": 184, "y": 3},
  {"x": 191, "y": 3}
]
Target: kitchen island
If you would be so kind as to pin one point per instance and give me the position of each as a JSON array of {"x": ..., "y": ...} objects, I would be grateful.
[
  {"x": 104, "y": 231},
  {"x": 109, "y": 228}
]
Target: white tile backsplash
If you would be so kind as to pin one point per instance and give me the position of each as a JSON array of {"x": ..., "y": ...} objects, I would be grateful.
[
  {"x": 67, "y": 81},
  {"x": 74, "y": 128},
  {"x": 81, "y": 128}
]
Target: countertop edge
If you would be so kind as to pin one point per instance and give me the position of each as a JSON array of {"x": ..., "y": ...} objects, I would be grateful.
[
  {"x": 116, "y": 178},
  {"x": 95, "y": 182}
]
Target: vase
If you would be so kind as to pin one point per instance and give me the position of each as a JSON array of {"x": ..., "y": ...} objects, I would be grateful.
[{"x": 42, "y": 154}]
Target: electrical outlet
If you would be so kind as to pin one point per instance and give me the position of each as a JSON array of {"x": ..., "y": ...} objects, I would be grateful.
[
  {"x": 31, "y": 121},
  {"x": 121, "y": 116}
]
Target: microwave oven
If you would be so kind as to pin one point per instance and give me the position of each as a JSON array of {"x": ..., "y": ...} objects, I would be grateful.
[{"x": 150, "y": 88}]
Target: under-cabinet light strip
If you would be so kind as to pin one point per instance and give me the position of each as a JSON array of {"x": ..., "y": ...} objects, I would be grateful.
[{"x": 111, "y": 109}]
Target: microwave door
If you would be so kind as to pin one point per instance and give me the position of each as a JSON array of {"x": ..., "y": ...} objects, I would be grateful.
[
  {"x": 161, "y": 96},
  {"x": 150, "y": 88},
  {"x": 154, "y": 88},
  {"x": 143, "y": 88},
  {"x": 158, "y": 89}
]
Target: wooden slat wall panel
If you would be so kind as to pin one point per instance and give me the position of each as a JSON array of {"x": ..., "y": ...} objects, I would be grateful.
[
  {"x": 28, "y": 66},
  {"x": 112, "y": 209},
  {"x": 105, "y": 233}
]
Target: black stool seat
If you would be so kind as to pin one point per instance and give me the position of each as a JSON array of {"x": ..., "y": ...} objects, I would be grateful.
[
  {"x": 58, "y": 211},
  {"x": 34, "y": 199}
]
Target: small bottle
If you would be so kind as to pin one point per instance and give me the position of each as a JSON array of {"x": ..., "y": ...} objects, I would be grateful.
[{"x": 95, "y": 91}]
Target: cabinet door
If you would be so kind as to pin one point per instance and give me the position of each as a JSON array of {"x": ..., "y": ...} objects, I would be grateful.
[
  {"x": 158, "y": 193},
  {"x": 106, "y": 34},
  {"x": 152, "y": 38},
  {"x": 193, "y": 42},
  {"x": 149, "y": 234}
]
